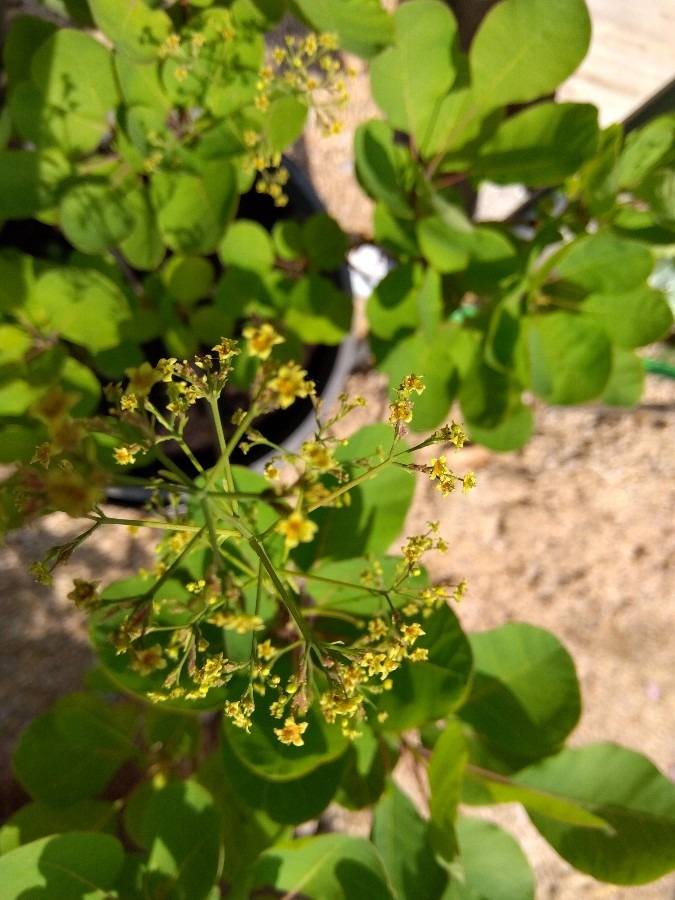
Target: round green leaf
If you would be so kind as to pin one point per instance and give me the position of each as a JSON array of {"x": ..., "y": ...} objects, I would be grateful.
[
  {"x": 401, "y": 836},
  {"x": 29, "y": 181},
  {"x": 525, "y": 48},
  {"x": 193, "y": 210},
  {"x": 95, "y": 216},
  {"x": 179, "y": 826},
  {"x": 14, "y": 343},
  {"x": 605, "y": 263},
  {"x": 425, "y": 691},
  {"x": 75, "y": 110},
  {"x": 494, "y": 865},
  {"x": 88, "y": 740},
  {"x": 64, "y": 865},
  {"x": 631, "y": 319},
  {"x": 541, "y": 145},
  {"x": 626, "y": 790},
  {"x": 22, "y": 40},
  {"x": 325, "y": 242},
  {"x": 338, "y": 866},
  {"x": 188, "y": 278},
  {"x": 362, "y": 26},
  {"x": 137, "y": 31},
  {"x": 143, "y": 247},
  {"x": 288, "y": 802},
  {"x": 80, "y": 379},
  {"x": 82, "y": 305},
  {"x": 39, "y": 820},
  {"x": 524, "y": 698},
  {"x": 248, "y": 246},
  {"x": 570, "y": 358},
  {"x": 285, "y": 120},
  {"x": 627, "y": 380},
  {"x": 410, "y": 78},
  {"x": 439, "y": 246},
  {"x": 317, "y": 311}
]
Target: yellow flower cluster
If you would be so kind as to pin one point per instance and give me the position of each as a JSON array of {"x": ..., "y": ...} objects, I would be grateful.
[
  {"x": 401, "y": 410},
  {"x": 289, "y": 383}
]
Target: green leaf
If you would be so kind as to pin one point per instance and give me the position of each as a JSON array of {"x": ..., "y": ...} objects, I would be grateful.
[
  {"x": 443, "y": 355},
  {"x": 627, "y": 379},
  {"x": 645, "y": 149},
  {"x": 188, "y": 278},
  {"x": 495, "y": 867},
  {"x": 409, "y": 79},
  {"x": 524, "y": 698},
  {"x": 80, "y": 379},
  {"x": 628, "y": 791},
  {"x": 65, "y": 865},
  {"x": 377, "y": 510},
  {"x": 29, "y": 181},
  {"x": 245, "y": 831},
  {"x": 137, "y": 31},
  {"x": 14, "y": 344},
  {"x": 362, "y": 26},
  {"x": 338, "y": 866},
  {"x": 73, "y": 111},
  {"x": 437, "y": 243},
  {"x": 325, "y": 242},
  {"x": 94, "y": 215},
  {"x": 384, "y": 169},
  {"x": 604, "y": 263},
  {"x": 570, "y": 358},
  {"x": 82, "y": 305},
  {"x": 525, "y": 48},
  {"x": 425, "y": 691},
  {"x": 631, "y": 319},
  {"x": 287, "y": 802},
  {"x": 247, "y": 245},
  {"x": 658, "y": 189},
  {"x": 23, "y": 39},
  {"x": 88, "y": 740},
  {"x": 401, "y": 837},
  {"x": 143, "y": 248},
  {"x": 446, "y": 772},
  {"x": 39, "y": 820},
  {"x": 368, "y": 761},
  {"x": 285, "y": 120},
  {"x": 318, "y": 312},
  {"x": 539, "y": 146},
  {"x": 179, "y": 826},
  {"x": 482, "y": 787},
  {"x": 261, "y": 751},
  {"x": 193, "y": 209}
]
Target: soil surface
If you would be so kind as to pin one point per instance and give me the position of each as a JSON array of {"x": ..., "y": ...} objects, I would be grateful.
[{"x": 573, "y": 533}]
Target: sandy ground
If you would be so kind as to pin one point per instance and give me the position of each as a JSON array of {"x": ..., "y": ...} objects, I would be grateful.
[{"x": 573, "y": 533}]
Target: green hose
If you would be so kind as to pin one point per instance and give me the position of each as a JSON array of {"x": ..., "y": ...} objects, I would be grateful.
[{"x": 659, "y": 367}]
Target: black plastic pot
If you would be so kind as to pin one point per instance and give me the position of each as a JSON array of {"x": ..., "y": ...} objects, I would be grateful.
[{"x": 327, "y": 365}]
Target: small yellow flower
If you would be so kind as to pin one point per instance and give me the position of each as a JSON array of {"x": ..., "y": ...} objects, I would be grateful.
[
  {"x": 262, "y": 339},
  {"x": 468, "y": 482},
  {"x": 400, "y": 412},
  {"x": 147, "y": 661},
  {"x": 318, "y": 455},
  {"x": 85, "y": 594},
  {"x": 129, "y": 403},
  {"x": 292, "y": 732},
  {"x": 124, "y": 456},
  {"x": 289, "y": 383},
  {"x": 296, "y": 530},
  {"x": 181, "y": 73}
]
